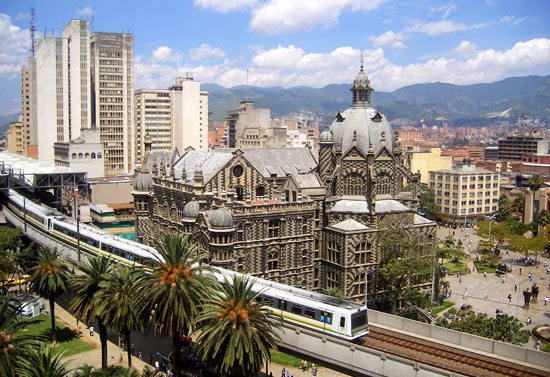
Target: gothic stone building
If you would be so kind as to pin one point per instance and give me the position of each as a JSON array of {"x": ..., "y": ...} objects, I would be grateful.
[{"x": 283, "y": 215}]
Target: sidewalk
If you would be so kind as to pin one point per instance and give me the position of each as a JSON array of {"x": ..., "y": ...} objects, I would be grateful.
[{"x": 93, "y": 357}]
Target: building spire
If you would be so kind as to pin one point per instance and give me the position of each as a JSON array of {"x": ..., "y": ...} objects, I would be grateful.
[{"x": 361, "y": 88}]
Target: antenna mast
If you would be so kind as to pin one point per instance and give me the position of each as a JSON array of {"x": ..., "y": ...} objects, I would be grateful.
[{"x": 33, "y": 30}]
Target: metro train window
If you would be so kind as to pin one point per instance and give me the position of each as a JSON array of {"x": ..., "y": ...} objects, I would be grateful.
[
  {"x": 342, "y": 321},
  {"x": 310, "y": 313},
  {"x": 267, "y": 300},
  {"x": 326, "y": 317},
  {"x": 296, "y": 309},
  {"x": 358, "y": 320}
]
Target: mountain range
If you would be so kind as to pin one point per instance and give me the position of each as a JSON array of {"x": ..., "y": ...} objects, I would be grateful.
[{"x": 505, "y": 99}]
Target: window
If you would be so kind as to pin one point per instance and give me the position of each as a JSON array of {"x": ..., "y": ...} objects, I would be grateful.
[
  {"x": 80, "y": 156},
  {"x": 383, "y": 184},
  {"x": 238, "y": 171},
  {"x": 87, "y": 156},
  {"x": 333, "y": 251},
  {"x": 332, "y": 280},
  {"x": 304, "y": 225},
  {"x": 359, "y": 284},
  {"x": 363, "y": 253},
  {"x": 93, "y": 155},
  {"x": 260, "y": 191},
  {"x": 353, "y": 184},
  {"x": 272, "y": 261},
  {"x": 273, "y": 228},
  {"x": 73, "y": 156},
  {"x": 99, "y": 155}
]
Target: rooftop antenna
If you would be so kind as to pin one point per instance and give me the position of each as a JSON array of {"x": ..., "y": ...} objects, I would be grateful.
[
  {"x": 33, "y": 30},
  {"x": 361, "y": 60}
]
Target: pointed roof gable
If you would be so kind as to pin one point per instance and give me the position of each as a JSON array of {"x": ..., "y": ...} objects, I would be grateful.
[{"x": 349, "y": 225}]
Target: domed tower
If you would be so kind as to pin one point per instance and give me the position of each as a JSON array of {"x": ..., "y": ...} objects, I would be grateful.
[{"x": 362, "y": 150}]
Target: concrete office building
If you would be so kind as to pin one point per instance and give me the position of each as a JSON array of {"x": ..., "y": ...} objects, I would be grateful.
[
  {"x": 246, "y": 116},
  {"x": 172, "y": 118},
  {"x": 75, "y": 82},
  {"x": 84, "y": 153},
  {"x": 514, "y": 148},
  {"x": 15, "y": 137}
]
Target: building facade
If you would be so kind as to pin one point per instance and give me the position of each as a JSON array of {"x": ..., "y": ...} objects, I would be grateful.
[
  {"x": 83, "y": 154},
  {"x": 515, "y": 148},
  {"x": 15, "y": 136},
  {"x": 78, "y": 81},
  {"x": 281, "y": 215},
  {"x": 172, "y": 118},
  {"x": 465, "y": 194}
]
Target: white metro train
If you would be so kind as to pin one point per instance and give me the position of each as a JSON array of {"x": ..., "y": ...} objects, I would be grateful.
[{"x": 323, "y": 314}]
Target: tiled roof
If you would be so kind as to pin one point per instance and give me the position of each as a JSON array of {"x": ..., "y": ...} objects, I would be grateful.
[{"x": 349, "y": 225}]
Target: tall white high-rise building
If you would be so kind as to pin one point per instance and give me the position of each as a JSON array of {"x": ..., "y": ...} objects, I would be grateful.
[
  {"x": 175, "y": 117},
  {"x": 77, "y": 82}
]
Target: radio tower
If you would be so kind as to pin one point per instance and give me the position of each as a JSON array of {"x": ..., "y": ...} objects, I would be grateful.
[{"x": 33, "y": 30}]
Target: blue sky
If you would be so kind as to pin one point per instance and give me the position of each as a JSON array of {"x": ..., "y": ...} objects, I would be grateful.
[{"x": 298, "y": 42}]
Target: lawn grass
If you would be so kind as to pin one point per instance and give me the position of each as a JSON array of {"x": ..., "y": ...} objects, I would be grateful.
[
  {"x": 439, "y": 309},
  {"x": 67, "y": 340},
  {"x": 455, "y": 267},
  {"x": 285, "y": 359},
  {"x": 485, "y": 267}
]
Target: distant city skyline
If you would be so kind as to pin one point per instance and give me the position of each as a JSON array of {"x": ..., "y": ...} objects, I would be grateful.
[{"x": 298, "y": 42}]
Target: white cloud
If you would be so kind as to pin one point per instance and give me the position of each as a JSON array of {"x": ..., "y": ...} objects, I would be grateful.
[
  {"x": 445, "y": 9},
  {"x": 225, "y": 5},
  {"x": 22, "y": 16},
  {"x": 465, "y": 49},
  {"x": 165, "y": 54},
  {"x": 513, "y": 20},
  {"x": 14, "y": 47},
  {"x": 524, "y": 58},
  {"x": 86, "y": 11},
  {"x": 441, "y": 27},
  {"x": 205, "y": 51},
  {"x": 389, "y": 38},
  {"x": 285, "y": 16}
]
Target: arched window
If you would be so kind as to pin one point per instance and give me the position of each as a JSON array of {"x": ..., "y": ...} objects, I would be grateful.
[
  {"x": 240, "y": 192},
  {"x": 80, "y": 156},
  {"x": 73, "y": 156},
  {"x": 99, "y": 155},
  {"x": 272, "y": 261},
  {"x": 354, "y": 184},
  {"x": 383, "y": 184},
  {"x": 93, "y": 155},
  {"x": 260, "y": 191},
  {"x": 87, "y": 156}
]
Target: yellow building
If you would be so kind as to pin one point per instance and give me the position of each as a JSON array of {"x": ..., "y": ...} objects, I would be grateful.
[
  {"x": 15, "y": 137},
  {"x": 427, "y": 161},
  {"x": 465, "y": 194}
]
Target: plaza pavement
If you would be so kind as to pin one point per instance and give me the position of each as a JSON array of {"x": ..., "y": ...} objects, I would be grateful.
[{"x": 486, "y": 294}]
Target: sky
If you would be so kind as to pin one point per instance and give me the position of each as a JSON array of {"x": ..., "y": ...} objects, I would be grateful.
[{"x": 290, "y": 43}]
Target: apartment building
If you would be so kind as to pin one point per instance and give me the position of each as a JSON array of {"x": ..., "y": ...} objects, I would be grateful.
[
  {"x": 464, "y": 194},
  {"x": 172, "y": 118},
  {"x": 15, "y": 137},
  {"x": 75, "y": 82}
]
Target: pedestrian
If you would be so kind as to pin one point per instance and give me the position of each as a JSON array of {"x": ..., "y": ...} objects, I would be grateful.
[
  {"x": 520, "y": 270},
  {"x": 287, "y": 373},
  {"x": 530, "y": 276},
  {"x": 465, "y": 293},
  {"x": 283, "y": 373},
  {"x": 547, "y": 272},
  {"x": 157, "y": 365},
  {"x": 528, "y": 320},
  {"x": 485, "y": 274},
  {"x": 537, "y": 345},
  {"x": 509, "y": 297},
  {"x": 91, "y": 331},
  {"x": 515, "y": 287},
  {"x": 502, "y": 281},
  {"x": 140, "y": 356},
  {"x": 546, "y": 300},
  {"x": 132, "y": 348}
]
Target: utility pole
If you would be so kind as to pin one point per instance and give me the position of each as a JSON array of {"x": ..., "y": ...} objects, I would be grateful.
[{"x": 77, "y": 217}]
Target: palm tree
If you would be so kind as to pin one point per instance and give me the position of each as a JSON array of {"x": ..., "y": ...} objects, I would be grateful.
[
  {"x": 49, "y": 277},
  {"x": 42, "y": 363},
  {"x": 119, "y": 302},
  {"x": 175, "y": 289},
  {"x": 236, "y": 332},
  {"x": 535, "y": 182},
  {"x": 86, "y": 303},
  {"x": 13, "y": 345}
]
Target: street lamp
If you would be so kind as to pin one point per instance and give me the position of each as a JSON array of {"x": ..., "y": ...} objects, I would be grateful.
[
  {"x": 491, "y": 218},
  {"x": 519, "y": 284}
]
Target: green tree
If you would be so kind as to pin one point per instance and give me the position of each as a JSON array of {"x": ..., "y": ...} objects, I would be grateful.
[
  {"x": 503, "y": 329},
  {"x": 42, "y": 363},
  {"x": 518, "y": 203},
  {"x": 175, "y": 289},
  {"x": 14, "y": 344},
  {"x": 49, "y": 277},
  {"x": 504, "y": 206},
  {"x": 236, "y": 333},
  {"x": 405, "y": 261},
  {"x": 535, "y": 182},
  {"x": 112, "y": 371},
  {"x": 119, "y": 303},
  {"x": 86, "y": 301},
  {"x": 427, "y": 201}
]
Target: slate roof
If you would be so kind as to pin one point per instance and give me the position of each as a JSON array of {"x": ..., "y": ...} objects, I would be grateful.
[
  {"x": 390, "y": 206},
  {"x": 209, "y": 163},
  {"x": 280, "y": 162},
  {"x": 352, "y": 206},
  {"x": 307, "y": 180},
  {"x": 349, "y": 225},
  {"x": 420, "y": 220}
]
